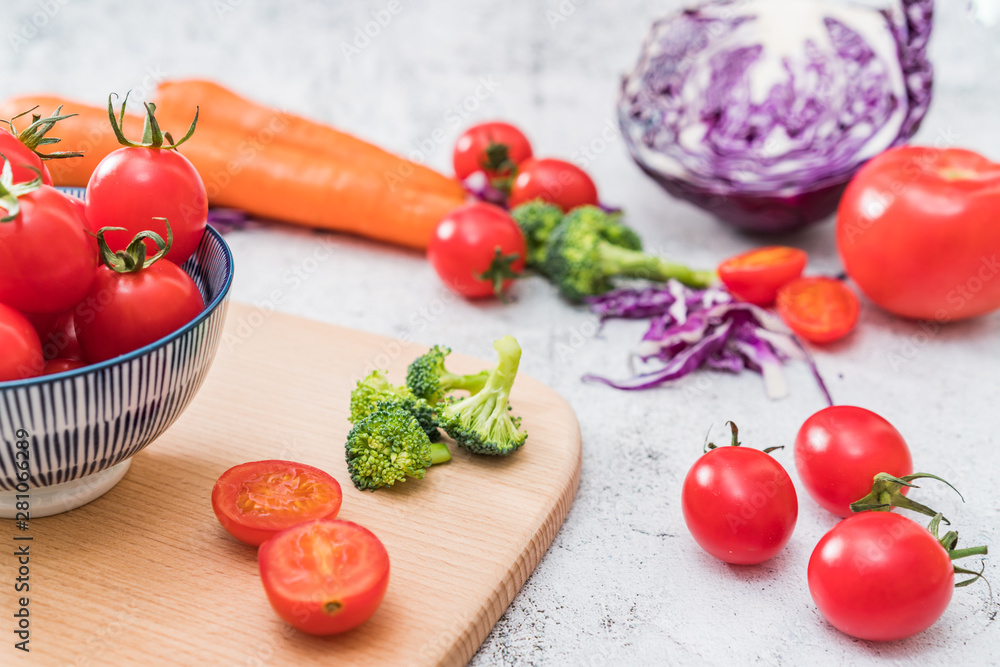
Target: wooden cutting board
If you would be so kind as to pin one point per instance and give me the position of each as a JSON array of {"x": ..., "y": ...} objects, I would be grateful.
[{"x": 145, "y": 575}]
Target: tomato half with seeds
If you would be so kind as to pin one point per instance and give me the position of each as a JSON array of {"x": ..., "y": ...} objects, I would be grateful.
[
  {"x": 821, "y": 310},
  {"x": 757, "y": 275},
  {"x": 324, "y": 577},
  {"x": 254, "y": 501}
]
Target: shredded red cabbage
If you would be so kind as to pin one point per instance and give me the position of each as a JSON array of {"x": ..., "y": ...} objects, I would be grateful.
[{"x": 691, "y": 329}]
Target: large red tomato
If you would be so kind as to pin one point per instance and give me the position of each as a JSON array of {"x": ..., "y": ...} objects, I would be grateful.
[{"x": 917, "y": 231}]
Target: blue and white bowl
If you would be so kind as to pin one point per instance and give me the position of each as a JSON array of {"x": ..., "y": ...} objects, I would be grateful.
[{"x": 82, "y": 426}]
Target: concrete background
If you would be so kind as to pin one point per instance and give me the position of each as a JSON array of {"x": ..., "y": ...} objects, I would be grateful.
[{"x": 623, "y": 583}]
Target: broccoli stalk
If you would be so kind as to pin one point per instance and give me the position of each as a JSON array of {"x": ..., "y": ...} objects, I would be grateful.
[
  {"x": 582, "y": 261},
  {"x": 376, "y": 389},
  {"x": 482, "y": 423},
  {"x": 388, "y": 446},
  {"x": 427, "y": 378}
]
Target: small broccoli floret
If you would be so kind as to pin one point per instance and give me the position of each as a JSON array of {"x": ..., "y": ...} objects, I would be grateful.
[
  {"x": 427, "y": 378},
  {"x": 375, "y": 389},
  {"x": 482, "y": 423},
  {"x": 388, "y": 446},
  {"x": 612, "y": 229},
  {"x": 537, "y": 219},
  {"x": 582, "y": 262}
]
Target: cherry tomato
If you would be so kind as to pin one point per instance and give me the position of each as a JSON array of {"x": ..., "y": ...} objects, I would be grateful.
[
  {"x": 125, "y": 311},
  {"x": 53, "y": 366},
  {"x": 325, "y": 576},
  {"x": 20, "y": 349},
  {"x": 22, "y": 159},
  {"x": 756, "y": 276},
  {"x": 555, "y": 181},
  {"x": 47, "y": 259},
  {"x": 917, "y": 232},
  {"x": 820, "y": 310},
  {"x": 739, "y": 504},
  {"x": 254, "y": 501},
  {"x": 840, "y": 449},
  {"x": 496, "y": 148},
  {"x": 57, "y": 331},
  {"x": 477, "y": 250},
  {"x": 133, "y": 185},
  {"x": 881, "y": 576}
]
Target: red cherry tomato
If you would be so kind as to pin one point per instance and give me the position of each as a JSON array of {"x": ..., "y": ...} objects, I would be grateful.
[
  {"x": 326, "y": 576},
  {"x": 820, "y": 310},
  {"x": 473, "y": 240},
  {"x": 53, "y": 366},
  {"x": 880, "y": 576},
  {"x": 739, "y": 504},
  {"x": 556, "y": 181},
  {"x": 125, "y": 311},
  {"x": 254, "y": 501},
  {"x": 20, "y": 349},
  {"x": 47, "y": 259},
  {"x": 917, "y": 231},
  {"x": 133, "y": 185},
  {"x": 22, "y": 159},
  {"x": 496, "y": 148},
  {"x": 58, "y": 335},
  {"x": 840, "y": 449},
  {"x": 756, "y": 276}
]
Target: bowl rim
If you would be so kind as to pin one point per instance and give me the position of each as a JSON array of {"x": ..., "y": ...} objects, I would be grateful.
[{"x": 134, "y": 354}]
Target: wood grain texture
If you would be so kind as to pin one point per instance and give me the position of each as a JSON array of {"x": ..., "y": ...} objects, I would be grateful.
[{"x": 145, "y": 574}]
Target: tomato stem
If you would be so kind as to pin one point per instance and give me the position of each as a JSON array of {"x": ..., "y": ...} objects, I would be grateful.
[
  {"x": 949, "y": 541},
  {"x": 887, "y": 493},
  {"x": 33, "y": 136},
  {"x": 152, "y": 136},
  {"x": 10, "y": 191},
  {"x": 133, "y": 258},
  {"x": 499, "y": 271}
]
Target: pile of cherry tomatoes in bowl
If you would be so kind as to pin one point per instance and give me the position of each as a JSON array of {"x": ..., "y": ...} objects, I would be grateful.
[{"x": 85, "y": 281}]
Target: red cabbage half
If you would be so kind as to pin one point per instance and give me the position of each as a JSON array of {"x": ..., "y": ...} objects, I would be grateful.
[{"x": 760, "y": 111}]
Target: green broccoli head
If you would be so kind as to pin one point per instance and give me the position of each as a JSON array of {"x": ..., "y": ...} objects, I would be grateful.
[
  {"x": 427, "y": 378},
  {"x": 582, "y": 261},
  {"x": 482, "y": 422},
  {"x": 388, "y": 446},
  {"x": 537, "y": 219},
  {"x": 612, "y": 229},
  {"x": 376, "y": 388}
]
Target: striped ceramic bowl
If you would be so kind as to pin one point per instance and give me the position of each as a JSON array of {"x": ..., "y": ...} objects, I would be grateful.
[{"x": 82, "y": 426}]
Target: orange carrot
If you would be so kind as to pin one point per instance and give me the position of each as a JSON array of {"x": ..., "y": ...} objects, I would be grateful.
[
  {"x": 222, "y": 108},
  {"x": 271, "y": 164},
  {"x": 89, "y": 132}
]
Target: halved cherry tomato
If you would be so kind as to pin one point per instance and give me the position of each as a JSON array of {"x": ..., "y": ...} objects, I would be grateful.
[
  {"x": 20, "y": 349},
  {"x": 757, "y": 275},
  {"x": 556, "y": 181},
  {"x": 495, "y": 148},
  {"x": 324, "y": 577},
  {"x": 820, "y": 310},
  {"x": 254, "y": 501}
]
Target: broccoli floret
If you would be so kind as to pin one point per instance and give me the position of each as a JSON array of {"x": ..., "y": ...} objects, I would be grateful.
[
  {"x": 537, "y": 219},
  {"x": 481, "y": 423},
  {"x": 612, "y": 229},
  {"x": 388, "y": 446},
  {"x": 582, "y": 261},
  {"x": 376, "y": 388},
  {"x": 427, "y": 378}
]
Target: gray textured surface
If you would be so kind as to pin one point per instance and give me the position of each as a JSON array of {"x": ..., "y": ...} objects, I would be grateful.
[{"x": 623, "y": 583}]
